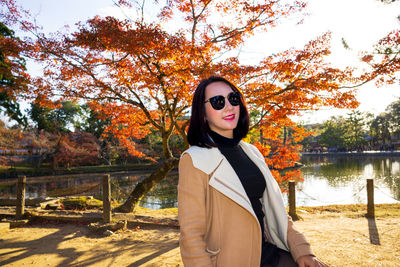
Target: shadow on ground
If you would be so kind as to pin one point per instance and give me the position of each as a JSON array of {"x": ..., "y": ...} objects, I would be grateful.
[{"x": 77, "y": 246}]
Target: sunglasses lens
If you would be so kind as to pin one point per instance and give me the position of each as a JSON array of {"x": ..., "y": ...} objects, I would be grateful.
[
  {"x": 217, "y": 102},
  {"x": 234, "y": 98}
]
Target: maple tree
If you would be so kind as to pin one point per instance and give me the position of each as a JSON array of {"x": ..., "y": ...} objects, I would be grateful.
[
  {"x": 384, "y": 60},
  {"x": 9, "y": 138},
  {"x": 77, "y": 149},
  {"x": 12, "y": 143},
  {"x": 14, "y": 78},
  {"x": 141, "y": 75},
  {"x": 62, "y": 149}
]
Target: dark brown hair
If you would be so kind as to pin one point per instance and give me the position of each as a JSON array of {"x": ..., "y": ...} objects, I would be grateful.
[{"x": 198, "y": 132}]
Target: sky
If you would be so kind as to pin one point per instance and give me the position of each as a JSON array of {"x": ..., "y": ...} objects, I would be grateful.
[{"x": 361, "y": 23}]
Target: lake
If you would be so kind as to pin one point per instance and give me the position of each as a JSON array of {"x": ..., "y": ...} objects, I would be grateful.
[
  {"x": 342, "y": 180},
  {"x": 327, "y": 180}
]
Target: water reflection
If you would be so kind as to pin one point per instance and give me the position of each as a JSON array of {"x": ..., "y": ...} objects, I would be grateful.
[
  {"x": 340, "y": 180},
  {"x": 163, "y": 195}
]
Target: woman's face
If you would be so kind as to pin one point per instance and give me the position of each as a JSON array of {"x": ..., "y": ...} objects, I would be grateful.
[{"x": 221, "y": 121}]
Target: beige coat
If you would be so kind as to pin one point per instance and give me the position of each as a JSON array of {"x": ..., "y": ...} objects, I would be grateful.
[{"x": 217, "y": 222}]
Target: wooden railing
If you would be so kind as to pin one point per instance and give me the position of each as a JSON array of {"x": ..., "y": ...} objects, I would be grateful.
[
  {"x": 107, "y": 211},
  {"x": 370, "y": 199}
]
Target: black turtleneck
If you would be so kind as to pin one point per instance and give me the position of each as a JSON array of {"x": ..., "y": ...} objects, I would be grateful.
[
  {"x": 253, "y": 183},
  {"x": 249, "y": 174}
]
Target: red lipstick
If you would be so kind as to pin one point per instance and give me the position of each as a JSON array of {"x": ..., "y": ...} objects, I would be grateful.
[{"x": 230, "y": 117}]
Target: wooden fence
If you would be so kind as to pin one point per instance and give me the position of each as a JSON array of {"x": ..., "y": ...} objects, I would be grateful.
[
  {"x": 370, "y": 199},
  {"x": 107, "y": 212}
]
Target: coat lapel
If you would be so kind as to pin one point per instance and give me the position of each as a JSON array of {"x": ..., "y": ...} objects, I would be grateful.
[
  {"x": 226, "y": 181},
  {"x": 223, "y": 177},
  {"x": 274, "y": 207}
]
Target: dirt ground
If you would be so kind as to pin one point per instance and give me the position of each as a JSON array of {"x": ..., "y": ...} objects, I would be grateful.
[
  {"x": 343, "y": 241},
  {"x": 337, "y": 239}
]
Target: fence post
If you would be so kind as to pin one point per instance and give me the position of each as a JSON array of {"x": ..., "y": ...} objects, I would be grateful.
[
  {"x": 106, "y": 199},
  {"x": 20, "y": 209},
  {"x": 370, "y": 194},
  {"x": 292, "y": 200}
]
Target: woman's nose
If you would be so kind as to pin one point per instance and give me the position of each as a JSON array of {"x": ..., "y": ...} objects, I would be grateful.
[{"x": 228, "y": 105}]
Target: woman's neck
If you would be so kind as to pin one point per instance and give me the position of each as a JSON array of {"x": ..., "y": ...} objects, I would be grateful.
[{"x": 223, "y": 141}]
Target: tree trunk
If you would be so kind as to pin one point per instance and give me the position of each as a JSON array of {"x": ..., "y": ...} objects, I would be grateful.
[
  {"x": 183, "y": 135},
  {"x": 147, "y": 184},
  {"x": 165, "y": 141}
]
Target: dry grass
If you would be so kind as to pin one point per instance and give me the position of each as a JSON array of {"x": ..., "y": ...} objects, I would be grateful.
[
  {"x": 170, "y": 213},
  {"x": 345, "y": 241},
  {"x": 74, "y": 245},
  {"x": 352, "y": 211},
  {"x": 341, "y": 235}
]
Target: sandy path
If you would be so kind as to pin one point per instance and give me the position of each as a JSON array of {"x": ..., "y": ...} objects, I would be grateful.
[
  {"x": 343, "y": 241},
  {"x": 339, "y": 241},
  {"x": 71, "y": 245}
]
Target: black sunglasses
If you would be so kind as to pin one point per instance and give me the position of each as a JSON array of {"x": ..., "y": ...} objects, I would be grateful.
[{"x": 218, "y": 101}]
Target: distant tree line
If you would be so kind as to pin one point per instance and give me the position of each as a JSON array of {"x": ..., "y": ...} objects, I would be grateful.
[{"x": 357, "y": 131}]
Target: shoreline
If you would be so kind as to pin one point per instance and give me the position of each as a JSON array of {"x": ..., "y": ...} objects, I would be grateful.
[
  {"x": 14, "y": 172},
  {"x": 11, "y": 174},
  {"x": 169, "y": 217},
  {"x": 352, "y": 154}
]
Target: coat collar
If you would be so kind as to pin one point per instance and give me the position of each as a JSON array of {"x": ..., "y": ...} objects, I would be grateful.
[{"x": 223, "y": 177}]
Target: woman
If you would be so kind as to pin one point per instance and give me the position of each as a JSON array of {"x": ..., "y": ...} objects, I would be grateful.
[{"x": 231, "y": 212}]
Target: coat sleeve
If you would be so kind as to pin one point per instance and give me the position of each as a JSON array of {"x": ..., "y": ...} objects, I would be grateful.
[
  {"x": 297, "y": 242},
  {"x": 192, "y": 213}
]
